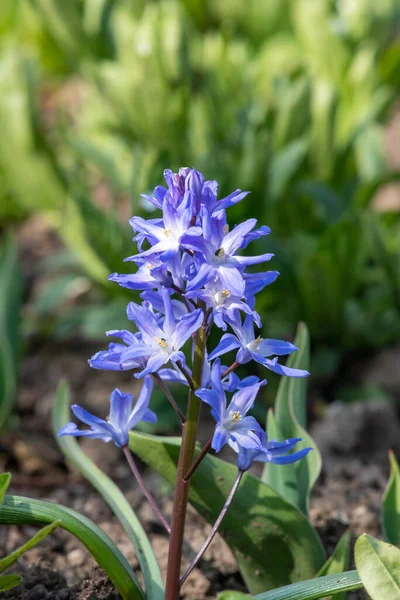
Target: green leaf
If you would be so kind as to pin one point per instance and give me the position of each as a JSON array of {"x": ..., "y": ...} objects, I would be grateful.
[
  {"x": 378, "y": 565},
  {"x": 232, "y": 595},
  {"x": 391, "y": 504},
  {"x": 7, "y": 582},
  {"x": 17, "y": 510},
  {"x": 111, "y": 494},
  {"x": 284, "y": 164},
  {"x": 338, "y": 561},
  {"x": 258, "y": 520},
  {"x": 6, "y": 562},
  {"x": 316, "y": 588},
  {"x": 294, "y": 481},
  {"x": 5, "y": 479},
  {"x": 10, "y": 308}
]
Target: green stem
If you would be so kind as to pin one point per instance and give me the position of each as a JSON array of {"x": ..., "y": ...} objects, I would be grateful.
[{"x": 185, "y": 461}]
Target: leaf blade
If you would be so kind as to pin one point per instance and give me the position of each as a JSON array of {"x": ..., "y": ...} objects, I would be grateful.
[
  {"x": 391, "y": 504},
  {"x": 296, "y": 480},
  {"x": 6, "y": 562},
  {"x": 378, "y": 565}
]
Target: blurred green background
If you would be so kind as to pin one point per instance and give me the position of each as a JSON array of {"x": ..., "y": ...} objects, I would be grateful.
[{"x": 294, "y": 100}]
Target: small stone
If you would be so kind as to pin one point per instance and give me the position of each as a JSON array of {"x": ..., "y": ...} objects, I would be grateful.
[
  {"x": 76, "y": 558},
  {"x": 38, "y": 592}
]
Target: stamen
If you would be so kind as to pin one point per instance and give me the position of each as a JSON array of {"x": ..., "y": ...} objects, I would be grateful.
[
  {"x": 220, "y": 253},
  {"x": 236, "y": 416},
  {"x": 162, "y": 342},
  {"x": 167, "y": 232},
  {"x": 226, "y": 229},
  {"x": 225, "y": 293},
  {"x": 149, "y": 266}
]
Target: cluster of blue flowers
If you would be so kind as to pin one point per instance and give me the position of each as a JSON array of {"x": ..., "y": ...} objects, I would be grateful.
[{"x": 191, "y": 275}]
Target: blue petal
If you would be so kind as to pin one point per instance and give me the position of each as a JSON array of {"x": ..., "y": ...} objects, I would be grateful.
[
  {"x": 142, "y": 403},
  {"x": 291, "y": 458},
  {"x": 232, "y": 280},
  {"x": 269, "y": 347},
  {"x": 156, "y": 360},
  {"x": 243, "y": 400},
  {"x": 234, "y": 239},
  {"x": 72, "y": 429},
  {"x": 186, "y": 326},
  {"x": 274, "y": 366},
  {"x": 227, "y": 343},
  {"x": 120, "y": 408},
  {"x": 220, "y": 437}
]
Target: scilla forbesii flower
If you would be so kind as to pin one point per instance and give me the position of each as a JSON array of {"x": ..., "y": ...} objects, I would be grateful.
[
  {"x": 233, "y": 423},
  {"x": 123, "y": 417},
  {"x": 255, "y": 348},
  {"x": 272, "y": 452}
]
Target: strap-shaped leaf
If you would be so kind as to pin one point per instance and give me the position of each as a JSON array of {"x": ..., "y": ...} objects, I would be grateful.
[
  {"x": 339, "y": 561},
  {"x": 112, "y": 495},
  {"x": 273, "y": 541},
  {"x": 7, "y": 582},
  {"x": 17, "y": 510},
  {"x": 5, "y": 479},
  {"x": 378, "y": 565},
  {"x": 294, "y": 481},
  {"x": 10, "y": 305},
  {"x": 391, "y": 504},
  {"x": 316, "y": 588},
  {"x": 9, "y": 560}
]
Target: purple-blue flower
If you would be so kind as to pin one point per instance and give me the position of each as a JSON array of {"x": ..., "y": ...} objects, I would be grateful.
[
  {"x": 273, "y": 452},
  {"x": 232, "y": 420},
  {"x": 160, "y": 342},
  {"x": 123, "y": 417},
  {"x": 252, "y": 348},
  {"x": 216, "y": 253}
]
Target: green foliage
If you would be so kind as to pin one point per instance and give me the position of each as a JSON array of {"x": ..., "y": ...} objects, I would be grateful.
[
  {"x": 9, "y": 560},
  {"x": 8, "y": 582},
  {"x": 391, "y": 504},
  {"x": 18, "y": 510},
  {"x": 285, "y": 99},
  {"x": 378, "y": 565},
  {"x": 10, "y": 309},
  {"x": 111, "y": 494},
  {"x": 258, "y": 520},
  {"x": 336, "y": 585},
  {"x": 294, "y": 481},
  {"x": 338, "y": 562},
  {"x": 316, "y": 588}
]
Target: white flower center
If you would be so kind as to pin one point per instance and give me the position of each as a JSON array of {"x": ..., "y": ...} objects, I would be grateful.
[
  {"x": 254, "y": 344},
  {"x": 220, "y": 297},
  {"x": 163, "y": 344}
]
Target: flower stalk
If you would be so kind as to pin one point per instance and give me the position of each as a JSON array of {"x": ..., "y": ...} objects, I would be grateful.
[
  {"x": 142, "y": 485},
  {"x": 182, "y": 485},
  {"x": 214, "y": 527}
]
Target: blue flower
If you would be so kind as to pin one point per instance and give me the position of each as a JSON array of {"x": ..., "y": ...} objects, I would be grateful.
[
  {"x": 122, "y": 417},
  {"x": 221, "y": 301},
  {"x": 258, "y": 349},
  {"x": 232, "y": 422},
  {"x": 216, "y": 253},
  {"x": 159, "y": 342},
  {"x": 274, "y": 452}
]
